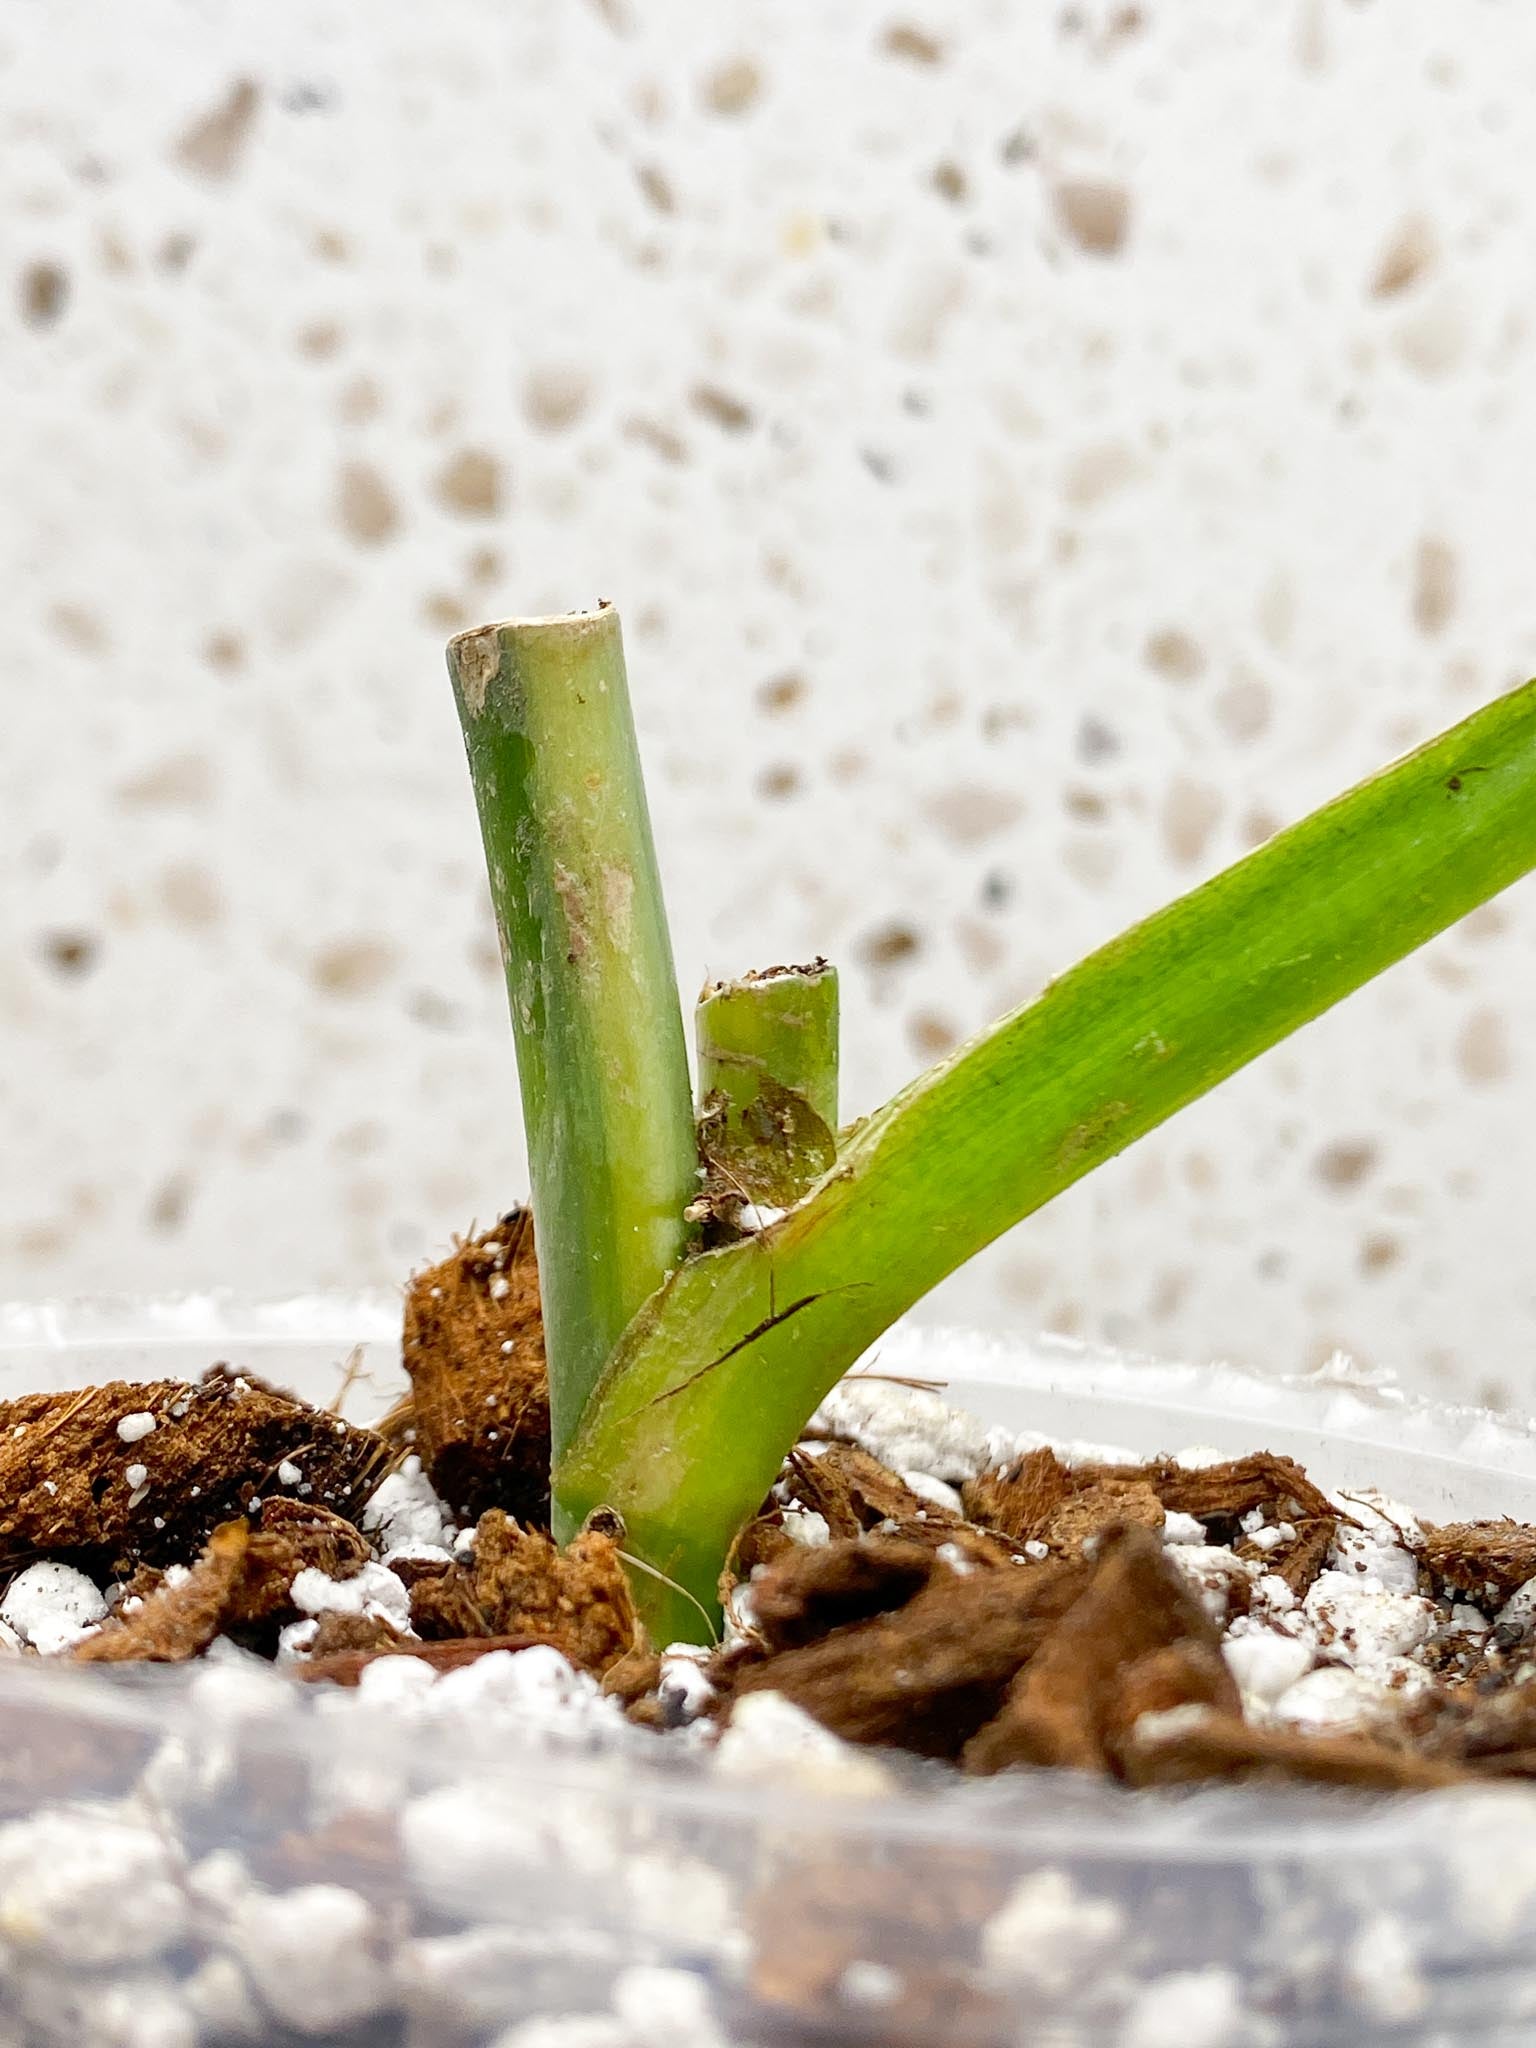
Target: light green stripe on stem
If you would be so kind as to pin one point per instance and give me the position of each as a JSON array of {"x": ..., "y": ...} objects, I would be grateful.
[
  {"x": 600, "y": 1051},
  {"x": 718, "y": 1374}
]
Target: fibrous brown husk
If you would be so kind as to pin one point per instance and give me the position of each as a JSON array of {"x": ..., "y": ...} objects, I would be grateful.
[
  {"x": 1488, "y": 1561},
  {"x": 521, "y": 1583},
  {"x": 1183, "y": 1674},
  {"x": 1300, "y": 1562},
  {"x": 293, "y": 1536},
  {"x": 243, "y": 1578},
  {"x": 807, "y": 1593},
  {"x": 1496, "y": 1730},
  {"x": 633, "y": 1676},
  {"x": 1019, "y": 1499},
  {"x": 1229, "y": 1490},
  {"x": 473, "y": 1345},
  {"x": 1096, "y": 1506},
  {"x": 178, "y": 1621},
  {"x": 855, "y": 1494},
  {"x": 1187, "y": 1748},
  {"x": 1037, "y": 1499},
  {"x": 927, "y": 1676},
  {"x": 216, "y": 1447},
  {"x": 370, "y": 1635},
  {"x": 1062, "y": 1707}
]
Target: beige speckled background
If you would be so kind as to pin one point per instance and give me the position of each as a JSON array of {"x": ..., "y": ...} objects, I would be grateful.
[{"x": 1036, "y": 450}]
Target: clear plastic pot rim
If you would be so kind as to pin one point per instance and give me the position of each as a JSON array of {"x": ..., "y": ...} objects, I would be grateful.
[{"x": 1350, "y": 1429}]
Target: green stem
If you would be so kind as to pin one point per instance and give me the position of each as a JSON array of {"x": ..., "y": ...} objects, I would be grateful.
[
  {"x": 767, "y": 1060},
  {"x": 600, "y": 1051},
  {"x": 717, "y": 1375}
]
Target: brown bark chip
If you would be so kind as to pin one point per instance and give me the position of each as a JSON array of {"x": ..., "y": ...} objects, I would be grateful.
[
  {"x": 805, "y": 1594},
  {"x": 368, "y": 1635},
  {"x": 522, "y": 1584},
  {"x": 1185, "y": 1674},
  {"x": 178, "y": 1621},
  {"x": 1488, "y": 1561},
  {"x": 1037, "y": 1499},
  {"x": 70, "y": 1484},
  {"x": 1019, "y": 1499},
  {"x": 1185, "y": 1749},
  {"x": 855, "y": 1494},
  {"x": 473, "y": 1345},
  {"x": 1231, "y": 1489},
  {"x": 1061, "y": 1708},
  {"x": 243, "y": 1577},
  {"x": 1300, "y": 1562},
  {"x": 293, "y": 1536},
  {"x": 929, "y": 1675},
  {"x": 1096, "y": 1507}
]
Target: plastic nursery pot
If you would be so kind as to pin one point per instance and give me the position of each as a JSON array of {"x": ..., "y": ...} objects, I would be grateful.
[{"x": 215, "y": 1855}]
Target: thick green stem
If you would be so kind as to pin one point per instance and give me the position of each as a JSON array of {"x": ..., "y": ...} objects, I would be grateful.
[
  {"x": 767, "y": 1060},
  {"x": 717, "y": 1375},
  {"x": 600, "y": 1049}
]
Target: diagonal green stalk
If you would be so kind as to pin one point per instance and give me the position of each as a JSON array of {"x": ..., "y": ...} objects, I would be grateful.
[
  {"x": 767, "y": 1059},
  {"x": 600, "y": 1051},
  {"x": 718, "y": 1373}
]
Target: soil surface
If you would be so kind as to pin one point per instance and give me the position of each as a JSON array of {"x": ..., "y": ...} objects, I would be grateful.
[{"x": 1183, "y": 1619}]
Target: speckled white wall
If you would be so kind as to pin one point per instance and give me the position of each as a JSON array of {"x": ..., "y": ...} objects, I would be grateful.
[{"x": 1037, "y": 450}]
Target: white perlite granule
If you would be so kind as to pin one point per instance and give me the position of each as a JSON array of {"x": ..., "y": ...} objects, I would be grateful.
[
  {"x": 1049, "y": 1935},
  {"x": 907, "y": 1428},
  {"x": 88, "y": 1886},
  {"x": 1266, "y": 1665},
  {"x": 769, "y": 1737},
  {"x": 937, "y": 1491},
  {"x": 1381, "y": 1972},
  {"x": 406, "y": 1514},
  {"x": 316, "y": 1954},
  {"x": 1365, "y": 1623},
  {"x": 1193, "y": 2009},
  {"x": 1332, "y": 1700},
  {"x": 374, "y": 1589},
  {"x": 133, "y": 1428},
  {"x": 52, "y": 1606}
]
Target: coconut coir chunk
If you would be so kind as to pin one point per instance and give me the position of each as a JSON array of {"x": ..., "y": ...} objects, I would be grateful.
[
  {"x": 178, "y": 1621},
  {"x": 1488, "y": 1561},
  {"x": 473, "y": 1346},
  {"x": 1020, "y": 1499},
  {"x": 1227, "y": 1491},
  {"x": 72, "y": 1485},
  {"x": 1065, "y": 1706},
  {"x": 1037, "y": 1499},
  {"x": 522, "y": 1584},
  {"x": 1300, "y": 1562},
  {"x": 927, "y": 1676},
  {"x": 855, "y": 1494},
  {"x": 243, "y": 1580}
]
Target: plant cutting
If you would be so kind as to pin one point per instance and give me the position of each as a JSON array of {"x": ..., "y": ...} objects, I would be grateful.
[
  {"x": 650, "y": 1437},
  {"x": 709, "y": 1272}
]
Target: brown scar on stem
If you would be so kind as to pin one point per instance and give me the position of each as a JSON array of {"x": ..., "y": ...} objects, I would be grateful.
[
  {"x": 568, "y": 889},
  {"x": 477, "y": 657}
]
